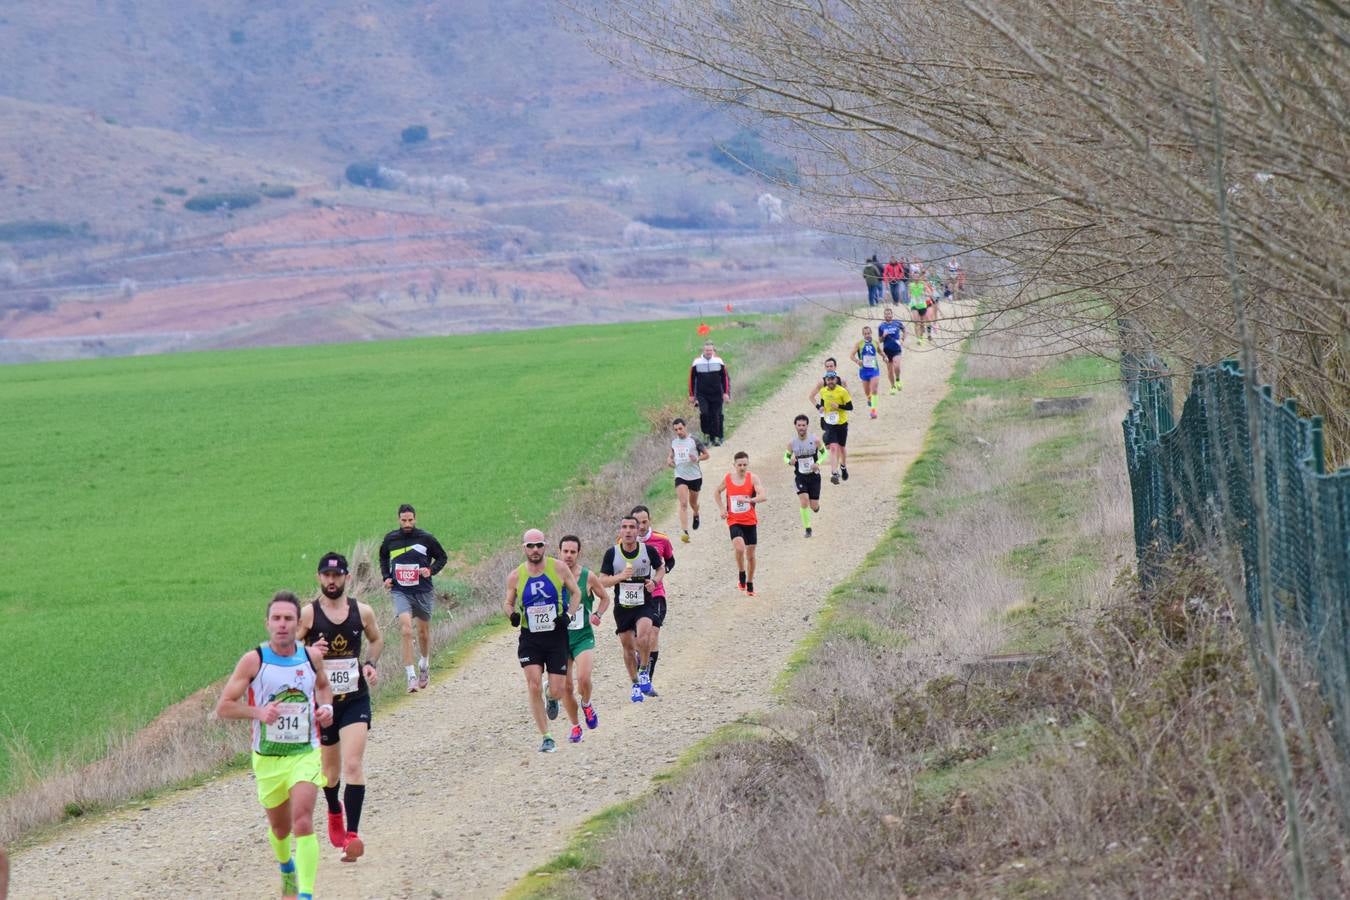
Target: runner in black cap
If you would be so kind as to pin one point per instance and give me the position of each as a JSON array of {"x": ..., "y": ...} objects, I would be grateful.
[{"x": 335, "y": 624}]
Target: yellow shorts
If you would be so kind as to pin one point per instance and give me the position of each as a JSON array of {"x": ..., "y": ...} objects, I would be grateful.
[{"x": 276, "y": 775}]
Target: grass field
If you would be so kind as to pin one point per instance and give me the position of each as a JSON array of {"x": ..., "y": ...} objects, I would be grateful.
[{"x": 151, "y": 505}]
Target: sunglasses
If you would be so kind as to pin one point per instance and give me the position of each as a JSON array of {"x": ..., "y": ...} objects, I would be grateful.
[{"x": 535, "y": 545}]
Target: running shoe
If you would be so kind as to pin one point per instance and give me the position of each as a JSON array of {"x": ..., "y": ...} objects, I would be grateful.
[
  {"x": 834, "y": 478},
  {"x": 592, "y": 719},
  {"x": 636, "y": 695},
  {"x": 749, "y": 589},
  {"x": 874, "y": 413},
  {"x": 423, "y": 676},
  {"x": 684, "y": 537},
  {"x": 354, "y": 848},
  {"x": 696, "y": 521},
  {"x": 548, "y": 746},
  {"x": 290, "y": 882},
  {"x": 652, "y": 692},
  {"x": 843, "y": 472},
  {"x": 894, "y": 389},
  {"x": 550, "y": 705},
  {"x": 740, "y": 582},
  {"x": 899, "y": 385},
  {"x": 575, "y": 736},
  {"x": 644, "y": 682},
  {"x": 337, "y": 828},
  {"x": 412, "y": 684},
  {"x": 808, "y": 532}
]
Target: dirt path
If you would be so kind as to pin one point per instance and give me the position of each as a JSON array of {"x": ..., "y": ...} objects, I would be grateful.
[{"x": 461, "y": 804}]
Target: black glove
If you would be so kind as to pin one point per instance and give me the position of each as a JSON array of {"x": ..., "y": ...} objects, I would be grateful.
[
  {"x": 515, "y": 619},
  {"x": 563, "y": 621},
  {"x": 820, "y": 404}
]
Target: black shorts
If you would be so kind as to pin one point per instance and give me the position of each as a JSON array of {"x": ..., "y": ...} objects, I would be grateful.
[
  {"x": 658, "y": 616},
  {"x": 809, "y": 485},
  {"x": 892, "y": 354},
  {"x": 836, "y": 434},
  {"x": 346, "y": 712},
  {"x": 626, "y": 617},
  {"x": 547, "y": 649},
  {"x": 694, "y": 484},
  {"x": 747, "y": 533}
]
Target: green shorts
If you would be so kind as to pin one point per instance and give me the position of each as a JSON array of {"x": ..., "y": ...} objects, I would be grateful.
[
  {"x": 580, "y": 642},
  {"x": 276, "y": 775}
]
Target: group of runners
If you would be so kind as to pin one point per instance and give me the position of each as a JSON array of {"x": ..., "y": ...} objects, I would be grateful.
[
  {"x": 306, "y": 690},
  {"x": 912, "y": 285}
]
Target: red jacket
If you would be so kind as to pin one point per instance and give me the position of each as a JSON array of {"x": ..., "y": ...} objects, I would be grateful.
[{"x": 893, "y": 272}]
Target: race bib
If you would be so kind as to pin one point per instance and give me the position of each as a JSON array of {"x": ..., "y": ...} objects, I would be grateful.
[
  {"x": 292, "y": 725},
  {"x": 343, "y": 674},
  {"x": 832, "y": 418},
  {"x": 682, "y": 456},
  {"x": 869, "y": 361},
  {"x": 541, "y": 618},
  {"x": 407, "y": 574},
  {"x": 631, "y": 593},
  {"x": 579, "y": 620},
  {"x": 740, "y": 504},
  {"x": 805, "y": 464}
]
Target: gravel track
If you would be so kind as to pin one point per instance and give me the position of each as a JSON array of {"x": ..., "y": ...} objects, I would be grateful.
[{"x": 460, "y": 803}]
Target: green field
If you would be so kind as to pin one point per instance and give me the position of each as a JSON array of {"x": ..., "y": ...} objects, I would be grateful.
[{"x": 151, "y": 505}]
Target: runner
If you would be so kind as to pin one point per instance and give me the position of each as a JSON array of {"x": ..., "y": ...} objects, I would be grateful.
[
  {"x": 743, "y": 493},
  {"x": 834, "y": 405},
  {"x": 634, "y": 570},
  {"x": 869, "y": 371},
  {"x": 685, "y": 454},
  {"x": 830, "y": 366},
  {"x": 804, "y": 454},
  {"x": 891, "y": 332},
  {"x": 288, "y": 700},
  {"x": 667, "y": 550},
  {"x": 929, "y": 314},
  {"x": 409, "y": 557},
  {"x": 918, "y": 306},
  {"x": 709, "y": 389},
  {"x": 580, "y": 634},
  {"x": 956, "y": 279},
  {"x": 335, "y": 625},
  {"x": 536, "y": 592}
]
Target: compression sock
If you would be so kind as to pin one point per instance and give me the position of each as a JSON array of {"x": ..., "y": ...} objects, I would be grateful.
[
  {"x": 411, "y": 670},
  {"x": 331, "y": 795},
  {"x": 806, "y": 517},
  {"x": 354, "y": 797},
  {"x": 651, "y": 665},
  {"x": 422, "y": 661},
  {"x": 281, "y": 848},
  {"x": 306, "y": 863}
]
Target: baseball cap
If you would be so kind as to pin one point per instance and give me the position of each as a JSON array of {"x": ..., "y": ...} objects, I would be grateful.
[
  {"x": 533, "y": 536},
  {"x": 333, "y": 562}
]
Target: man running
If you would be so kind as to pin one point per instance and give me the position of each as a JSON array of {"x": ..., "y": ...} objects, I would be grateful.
[
  {"x": 743, "y": 492},
  {"x": 634, "y": 570},
  {"x": 335, "y": 625},
  {"x": 831, "y": 365},
  {"x": 891, "y": 332},
  {"x": 803, "y": 456},
  {"x": 956, "y": 279},
  {"x": 537, "y": 602},
  {"x": 866, "y": 355},
  {"x": 409, "y": 557},
  {"x": 580, "y": 633},
  {"x": 834, "y": 405},
  {"x": 288, "y": 700},
  {"x": 709, "y": 389},
  {"x": 686, "y": 452},
  {"x": 919, "y": 300},
  {"x": 667, "y": 550}
]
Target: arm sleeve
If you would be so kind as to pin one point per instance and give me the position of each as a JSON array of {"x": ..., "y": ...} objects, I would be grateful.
[
  {"x": 654, "y": 557},
  {"x": 384, "y": 559},
  {"x": 726, "y": 380},
  {"x": 670, "y": 560},
  {"x": 846, "y": 405},
  {"x": 438, "y": 555}
]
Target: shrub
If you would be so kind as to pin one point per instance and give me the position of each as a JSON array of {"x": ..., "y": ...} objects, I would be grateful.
[
  {"x": 367, "y": 174},
  {"x": 277, "y": 191},
  {"x": 223, "y": 200},
  {"x": 237, "y": 37},
  {"x": 176, "y": 191},
  {"x": 34, "y": 230},
  {"x": 415, "y": 134}
]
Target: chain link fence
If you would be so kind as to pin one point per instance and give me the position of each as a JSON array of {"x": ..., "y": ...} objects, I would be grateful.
[{"x": 1193, "y": 479}]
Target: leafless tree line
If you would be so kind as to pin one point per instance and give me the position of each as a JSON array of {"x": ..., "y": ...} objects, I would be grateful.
[{"x": 1181, "y": 163}]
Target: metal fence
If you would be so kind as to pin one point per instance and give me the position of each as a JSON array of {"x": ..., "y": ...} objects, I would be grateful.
[{"x": 1192, "y": 482}]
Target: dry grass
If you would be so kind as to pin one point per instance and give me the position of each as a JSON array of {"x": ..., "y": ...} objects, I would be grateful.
[
  {"x": 1131, "y": 759},
  {"x": 184, "y": 742}
]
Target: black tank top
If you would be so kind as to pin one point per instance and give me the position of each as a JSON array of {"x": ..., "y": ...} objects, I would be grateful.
[{"x": 344, "y": 643}]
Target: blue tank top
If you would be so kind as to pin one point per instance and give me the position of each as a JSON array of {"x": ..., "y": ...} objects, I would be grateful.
[{"x": 541, "y": 596}]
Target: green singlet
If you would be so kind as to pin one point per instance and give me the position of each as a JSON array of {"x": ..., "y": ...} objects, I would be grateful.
[{"x": 581, "y": 637}]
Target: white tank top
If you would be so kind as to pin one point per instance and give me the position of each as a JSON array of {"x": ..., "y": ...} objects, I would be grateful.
[{"x": 287, "y": 681}]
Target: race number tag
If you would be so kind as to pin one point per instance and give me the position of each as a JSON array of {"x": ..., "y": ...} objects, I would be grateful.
[
  {"x": 579, "y": 620},
  {"x": 407, "y": 574},
  {"x": 869, "y": 361},
  {"x": 541, "y": 617},
  {"x": 292, "y": 724},
  {"x": 343, "y": 674},
  {"x": 740, "y": 504},
  {"x": 805, "y": 464},
  {"x": 832, "y": 418},
  {"x": 631, "y": 593},
  {"x": 682, "y": 455}
]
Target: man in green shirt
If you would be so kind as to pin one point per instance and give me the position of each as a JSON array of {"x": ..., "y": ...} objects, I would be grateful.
[{"x": 580, "y": 634}]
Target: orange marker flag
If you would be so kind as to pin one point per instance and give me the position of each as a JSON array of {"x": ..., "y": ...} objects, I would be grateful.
[
  {"x": 703, "y": 329},
  {"x": 728, "y": 307}
]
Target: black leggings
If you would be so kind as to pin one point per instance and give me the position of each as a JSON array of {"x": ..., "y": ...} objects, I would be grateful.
[{"x": 710, "y": 415}]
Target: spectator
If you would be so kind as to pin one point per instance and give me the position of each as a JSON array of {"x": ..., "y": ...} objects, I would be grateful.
[
  {"x": 709, "y": 388},
  {"x": 893, "y": 274},
  {"x": 872, "y": 274}
]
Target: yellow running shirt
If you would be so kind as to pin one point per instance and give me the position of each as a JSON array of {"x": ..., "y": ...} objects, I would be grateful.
[{"x": 832, "y": 397}]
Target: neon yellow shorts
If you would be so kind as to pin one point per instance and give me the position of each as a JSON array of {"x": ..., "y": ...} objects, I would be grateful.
[{"x": 276, "y": 775}]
